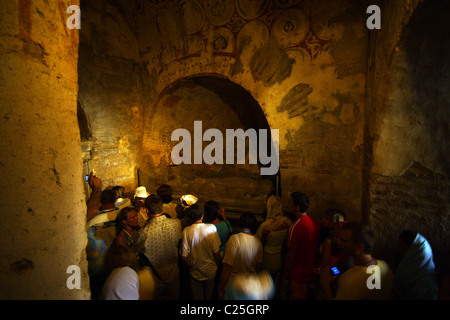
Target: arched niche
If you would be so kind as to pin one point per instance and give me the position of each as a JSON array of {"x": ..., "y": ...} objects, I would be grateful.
[{"x": 217, "y": 103}]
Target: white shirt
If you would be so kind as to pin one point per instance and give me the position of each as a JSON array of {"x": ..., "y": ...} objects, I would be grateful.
[
  {"x": 103, "y": 217},
  {"x": 200, "y": 243},
  {"x": 122, "y": 284},
  {"x": 243, "y": 252}
]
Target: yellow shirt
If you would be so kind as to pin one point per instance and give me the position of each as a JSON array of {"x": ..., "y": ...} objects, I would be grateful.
[
  {"x": 146, "y": 284},
  {"x": 357, "y": 284},
  {"x": 142, "y": 217},
  {"x": 170, "y": 209}
]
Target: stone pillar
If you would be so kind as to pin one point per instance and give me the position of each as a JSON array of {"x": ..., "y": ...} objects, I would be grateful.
[{"x": 42, "y": 198}]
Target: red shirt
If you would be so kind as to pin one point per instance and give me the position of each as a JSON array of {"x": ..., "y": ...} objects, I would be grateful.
[{"x": 303, "y": 236}]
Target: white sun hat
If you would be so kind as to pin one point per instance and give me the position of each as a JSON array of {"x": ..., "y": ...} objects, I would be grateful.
[{"x": 141, "y": 192}]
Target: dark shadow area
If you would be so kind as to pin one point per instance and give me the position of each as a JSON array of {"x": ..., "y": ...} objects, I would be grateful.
[{"x": 427, "y": 44}]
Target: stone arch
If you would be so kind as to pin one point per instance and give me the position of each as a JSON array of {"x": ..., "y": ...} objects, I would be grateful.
[{"x": 218, "y": 103}]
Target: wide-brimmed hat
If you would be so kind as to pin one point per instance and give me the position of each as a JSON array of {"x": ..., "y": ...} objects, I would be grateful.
[
  {"x": 122, "y": 203},
  {"x": 141, "y": 192},
  {"x": 188, "y": 200}
]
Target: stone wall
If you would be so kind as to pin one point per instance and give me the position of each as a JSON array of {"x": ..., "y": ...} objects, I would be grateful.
[
  {"x": 110, "y": 92},
  {"x": 238, "y": 187},
  {"x": 352, "y": 113},
  {"x": 363, "y": 115},
  {"x": 302, "y": 61},
  {"x": 43, "y": 206},
  {"x": 408, "y": 176}
]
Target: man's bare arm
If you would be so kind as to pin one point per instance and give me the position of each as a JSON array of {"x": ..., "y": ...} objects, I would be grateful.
[{"x": 93, "y": 203}]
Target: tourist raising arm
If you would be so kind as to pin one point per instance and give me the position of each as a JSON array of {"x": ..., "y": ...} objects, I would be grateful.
[{"x": 93, "y": 203}]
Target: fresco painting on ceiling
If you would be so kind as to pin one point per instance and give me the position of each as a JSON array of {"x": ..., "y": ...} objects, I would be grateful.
[{"x": 285, "y": 21}]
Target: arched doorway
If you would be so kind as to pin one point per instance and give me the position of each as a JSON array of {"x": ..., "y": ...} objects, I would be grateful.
[{"x": 216, "y": 103}]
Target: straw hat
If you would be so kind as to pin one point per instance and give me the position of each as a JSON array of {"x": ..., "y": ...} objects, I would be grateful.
[
  {"x": 141, "y": 192},
  {"x": 188, "y": 200},
  {"x": 122, "y": 203}
]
